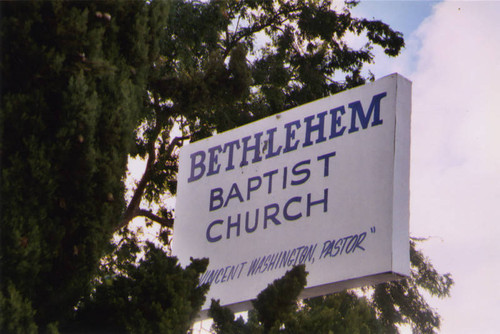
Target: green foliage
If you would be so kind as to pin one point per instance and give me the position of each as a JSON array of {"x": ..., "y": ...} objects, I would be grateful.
[
  {"x": 401, "y": 302},
  {"x": 343, "y": 312},
  {"x": 154, "y": 296},
  {"x": 74, "y": 76},
  {"x": 218, "y": 75},
  {"x": 273, "y": 306},
  {"x": 17, "y": 315},
  {"x": 279, "y": 299},
  {"x": 224, "y": 320}
]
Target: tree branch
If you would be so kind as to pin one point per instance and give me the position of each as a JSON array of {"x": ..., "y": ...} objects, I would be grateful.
[
  {"x": 133, "y": 210},
  {"x": 133, "y": 206},
  {"x": 256, "y": 27},
  {"x": 166, "y": 222},
  {"x": 176, "y": 142}
]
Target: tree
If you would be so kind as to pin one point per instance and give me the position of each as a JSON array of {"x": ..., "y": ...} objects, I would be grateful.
[
  {"x": 155, "y": 296},
  {"x": 85, "y": 85},
  {"x": 74, "y": 79}
]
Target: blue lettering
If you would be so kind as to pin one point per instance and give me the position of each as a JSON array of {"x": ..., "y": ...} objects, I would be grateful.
[
  {"x": 290, "y": 135},
  {"x": 217, "y": 276},
  {"x": 285, "y": 176},
  {"x": 357, "y": 109},
  {"x": 336, "y": 121},
  {"x": 197, "y": 165},
  {"x": 230, "y": 146},
  {"x": 270, "y": 141},
  {"x": 271, "y": 216},
  {"x": 345, "y": 245},
  {"x": 272, "y": 262},
  {"x": 231, "y": 225},
  {"x": 213, "y": 161},
  {"x": 234, "y": 193},
  {"x": 285, "y": 258},
  {"x": 285, "y": 209},
  {"x": 209, "y": 229},
  {"x": 249, "y": 229},
  {"x": 337, "y": 247},
  {"x": 228, "y": 273},
  {"x": 291, "y": 258},
  {"x": 255, "y": 148},
  {"x": 251, "y": 187},
  {"x": 282, "y": 259},
  {"x": 297, "y": 172},
  {"x": 323, "y": 201},
  {"x": 216, "y": 195},
  {"x": 313, "y": 133},
  {"x": 299, "y": 252},
  {"x": 362, "y": 237},
  {"x": 270, "y": 183},
  {"x": 326, "y": 157},
  {"x": 261, "y": 263},
  {"x": 318, "y": 127}
]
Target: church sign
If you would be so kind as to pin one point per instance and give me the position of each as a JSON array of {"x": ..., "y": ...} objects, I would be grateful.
[{"x": 325, "y": 184}]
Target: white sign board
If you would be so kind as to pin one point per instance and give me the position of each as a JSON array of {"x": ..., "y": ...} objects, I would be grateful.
[{"x": 325, "y": 184}]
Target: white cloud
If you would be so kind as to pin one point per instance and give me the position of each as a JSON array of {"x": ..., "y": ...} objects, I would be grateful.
[{"x": 455, "y": 179}]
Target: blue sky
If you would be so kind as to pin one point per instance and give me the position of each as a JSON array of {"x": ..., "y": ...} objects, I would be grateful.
[
  {"x": 403, "y": 16},
  {"x": 452, "y": 57}
]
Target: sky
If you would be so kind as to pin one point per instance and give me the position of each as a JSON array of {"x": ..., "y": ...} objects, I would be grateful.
[{"x": 452, "y": 56}]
